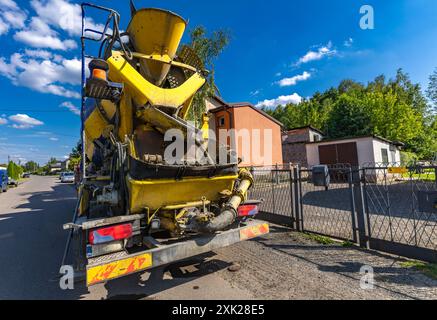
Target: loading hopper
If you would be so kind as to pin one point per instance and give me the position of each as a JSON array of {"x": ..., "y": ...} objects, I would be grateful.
[{"x": 156, "y": 32}]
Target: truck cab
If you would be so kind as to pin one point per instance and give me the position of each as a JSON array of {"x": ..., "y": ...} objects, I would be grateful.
[{"x": 3, "y": 179}]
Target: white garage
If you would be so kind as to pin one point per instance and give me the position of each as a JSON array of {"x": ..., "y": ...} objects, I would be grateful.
[{"x": 357, "y": 151}]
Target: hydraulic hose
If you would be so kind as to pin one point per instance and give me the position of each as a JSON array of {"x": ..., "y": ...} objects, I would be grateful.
[{"x": 229, "y": 214}]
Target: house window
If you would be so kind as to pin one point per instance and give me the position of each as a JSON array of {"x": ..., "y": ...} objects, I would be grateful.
[
  {"x": 393, "y": 156},
  {"x": 384, "y": 153},
  {"x": 221, "y": 121},
  {"x": 316, "y": 138}
]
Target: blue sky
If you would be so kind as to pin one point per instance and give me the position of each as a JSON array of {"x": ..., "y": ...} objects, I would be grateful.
[{"x": 280, "y": 51}]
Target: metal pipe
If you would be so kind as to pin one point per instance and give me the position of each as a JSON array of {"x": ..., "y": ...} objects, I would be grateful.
[{"x": 230, "y": 212}]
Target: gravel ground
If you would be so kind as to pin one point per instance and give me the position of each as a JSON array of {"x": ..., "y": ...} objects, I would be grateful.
[{"x": 288, "y": 265}]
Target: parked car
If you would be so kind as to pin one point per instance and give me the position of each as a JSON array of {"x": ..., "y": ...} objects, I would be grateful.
[
  {"x": 12, "y": 182},
  {"x": 26, "y": 176},
  {"x": 60, "y": 175},
  {"x": 3, "y": 180},
  {"x": 67, "y": 177}
]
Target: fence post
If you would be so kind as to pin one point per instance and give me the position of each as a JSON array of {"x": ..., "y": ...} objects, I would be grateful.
[
  {"x": 292, "y": 200},
  {"x": 353, "y": 208},
  {"x": 277, "y": 175},
  {"x": 297, "y": 198},
  {"x": 360, "y": 211},
  {"x": 272, "y": 181}
]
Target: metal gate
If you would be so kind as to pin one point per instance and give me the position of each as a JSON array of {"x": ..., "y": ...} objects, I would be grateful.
[
  {"x": 275, "y": 188},
  {"x": 401, "y": 210},
  {"x": 328, "y": 211},
  {"x": 383, "y": 207}
]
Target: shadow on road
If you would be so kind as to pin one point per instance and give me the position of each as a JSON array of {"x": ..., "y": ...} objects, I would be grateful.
[
  {"x": 32, "y": 242},
  {"x": 164, "y": 278}
]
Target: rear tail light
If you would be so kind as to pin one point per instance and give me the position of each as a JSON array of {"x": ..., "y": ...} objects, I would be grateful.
[
  {"x": 109, "y": 234},
  {"x": 248, "y": 210}
]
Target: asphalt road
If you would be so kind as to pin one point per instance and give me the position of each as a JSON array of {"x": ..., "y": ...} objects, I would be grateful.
[
  {"x": 32, "y": 243},
  {"x": 281, "y": 265}
]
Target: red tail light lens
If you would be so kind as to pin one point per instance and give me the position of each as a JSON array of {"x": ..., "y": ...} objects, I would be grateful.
[
  {"x": 248, "y": 210},
  {"x": 109, "y": 234}
]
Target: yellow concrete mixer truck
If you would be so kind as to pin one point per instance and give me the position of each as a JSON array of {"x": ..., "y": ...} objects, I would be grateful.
[{"x": 141, "y": 206}]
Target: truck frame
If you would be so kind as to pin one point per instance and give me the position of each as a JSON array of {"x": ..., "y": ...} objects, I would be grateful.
[{"x": 109, "y": 261}]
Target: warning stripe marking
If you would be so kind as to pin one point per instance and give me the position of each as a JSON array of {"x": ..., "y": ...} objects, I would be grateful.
[{"x": 118, "y": 269}]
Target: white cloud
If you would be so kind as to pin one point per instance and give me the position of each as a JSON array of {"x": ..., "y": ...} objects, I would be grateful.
[
  {"x": 349, "y": 42},
  {"x": 64, "y": 15},
  {"x": 15, "y": 19},
  {"x": 39, "y": 35},
  {"x": 3, "y": 121},
  {"x": 287, "y": 82},
  {"x": 71, "y": 107},
  {"x": 53, "y": 139},
  {"x": 11, "y": 16},
  {"x": 23, "y": 121},
  {"x": 321, "y": 52},
  {"x": 3, "y": 27},
  {"x": 7, "y": 70},
  {"x": 43, "y": 75},
  {"x": 9, "y": 4},
  {"x": 255, "y": 93},
  {"x": 281, "y": 100},
  {"x": 43, "y": 54}
]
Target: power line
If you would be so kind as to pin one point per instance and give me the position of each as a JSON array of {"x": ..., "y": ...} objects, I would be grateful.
[{"x": 34, "y": 111}]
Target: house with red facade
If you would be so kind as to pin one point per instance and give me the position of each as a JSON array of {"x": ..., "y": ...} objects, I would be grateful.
[{"x": 252, "y": 133}]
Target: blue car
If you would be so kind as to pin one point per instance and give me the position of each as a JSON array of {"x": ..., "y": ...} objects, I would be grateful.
[{"x": 3, "y": 180}]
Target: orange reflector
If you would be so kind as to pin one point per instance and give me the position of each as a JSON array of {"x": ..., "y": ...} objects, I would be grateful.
[
  {"x": 99, "y": 74},
  {"x": 253, "y": 232}
]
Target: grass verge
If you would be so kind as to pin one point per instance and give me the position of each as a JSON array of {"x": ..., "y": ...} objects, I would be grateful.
[
  {"x": 319, "y": 239},
  {"x": 430, "y": 269},
  {"x": 347, "y": 244}
]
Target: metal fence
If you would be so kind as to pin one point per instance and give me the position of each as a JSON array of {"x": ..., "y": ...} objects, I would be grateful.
[
  {"x": 274, "y": 187},
  {"x": 401, "y": 209},
  {"x": 384, "y": 207}
]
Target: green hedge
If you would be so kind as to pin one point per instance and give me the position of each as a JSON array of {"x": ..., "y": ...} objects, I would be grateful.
[{"x": 14, "y": 170}]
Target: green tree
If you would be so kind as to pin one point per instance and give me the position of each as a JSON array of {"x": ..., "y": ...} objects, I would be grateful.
[
  {"x": 395, "y": 109},
  {"x": 14, "y": 170},
  {"x": 75, "y": 156},
  {"x": 432, "y": 89},
  {"x": 208, "y": 48},
  {"x": 31, "y": 166},
  {"x": 349, "y": 117}
]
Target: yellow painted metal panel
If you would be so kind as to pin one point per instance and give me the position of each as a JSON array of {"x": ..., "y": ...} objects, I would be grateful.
[
  {"x": 95, "y": 125},
  {"x": 156, "y": 32},
  {"x": 156, "y": 194},
  {"x": 397, "y": 170},
  {"x": 118, "y": 269},
  {"x": 144, "y": 91},
  {"x": 126, "y": 116}
]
